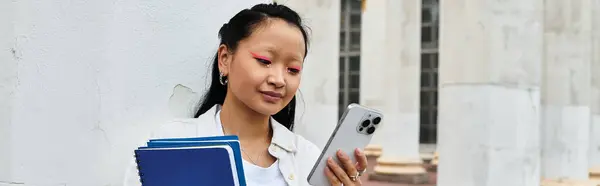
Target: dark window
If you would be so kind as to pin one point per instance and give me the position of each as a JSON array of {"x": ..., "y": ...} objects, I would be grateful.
[
  {"x": 355, "y": 63},
  {"x": 425, "y": 63},
  {"x": 355, "y": 81},
  {"x": 342, "y": 40},
  {"x": 423, "y": 99},
  {"x": 354, "y": 97},
  {"x": 355, "y": 41},
  {"x": 429, "y": 71},
  {"x": 424, "y": 79},
  {"x": 426, "y": 34},
  {"x": 342, "y": 83},
  {"x": 350, "y": 23},
  {"x": 355, "y": 21},
  {"x": 342, "y": 65},
  {"x": 426, "y": 15},
  {"x": 355, "y": 4}
]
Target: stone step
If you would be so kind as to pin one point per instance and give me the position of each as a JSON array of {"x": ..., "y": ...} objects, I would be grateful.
[
  {"x": 567, "y": 182},
  {"x": 595, "y": 173}
]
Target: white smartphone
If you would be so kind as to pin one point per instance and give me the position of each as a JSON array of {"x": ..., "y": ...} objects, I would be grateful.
[{"x": 354, "y": 130}]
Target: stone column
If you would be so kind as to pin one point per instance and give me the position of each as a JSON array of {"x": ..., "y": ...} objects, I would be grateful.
[
  {"x": 390, "y": 79},
  {"x": 490, "y": 63},
  {"x": 317, "y": 103},
  {"x": 368, "y": 97},
  {"x": 566, "y": 89},
  {"x": 595, "y": 135}
]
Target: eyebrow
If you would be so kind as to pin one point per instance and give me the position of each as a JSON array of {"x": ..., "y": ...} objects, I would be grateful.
[
  {"x": 259, "y": 56},
  {"x": 272, "y": 50}
]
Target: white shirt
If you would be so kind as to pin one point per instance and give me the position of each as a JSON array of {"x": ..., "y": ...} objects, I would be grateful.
[
  {"x": 259, "y": 176},
  {"x": 255, "y": 175},
  {"x": 295, "y": 155}
]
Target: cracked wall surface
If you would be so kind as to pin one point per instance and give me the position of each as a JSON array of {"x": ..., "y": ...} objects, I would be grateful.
[
  {"x": 183, "y": 101},
  {"x": 83, "y": 83}
]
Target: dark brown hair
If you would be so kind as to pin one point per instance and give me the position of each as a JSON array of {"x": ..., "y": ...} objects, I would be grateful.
[{"x": 238, "y": 28}]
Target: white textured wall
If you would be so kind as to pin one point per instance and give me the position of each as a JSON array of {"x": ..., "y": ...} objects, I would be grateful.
[
  {"x": 316, "y": 111},
  {"x": 81, "y": 82},
  {"x": 8, "y": 82}
]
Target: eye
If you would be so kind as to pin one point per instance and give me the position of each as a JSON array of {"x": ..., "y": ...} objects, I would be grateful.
[
  {"x": 263, "y": 61},
  {"x": 294, "y": 70}
]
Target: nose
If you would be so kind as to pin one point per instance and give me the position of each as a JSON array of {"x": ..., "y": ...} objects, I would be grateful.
[{"x": 276, "y": 78}]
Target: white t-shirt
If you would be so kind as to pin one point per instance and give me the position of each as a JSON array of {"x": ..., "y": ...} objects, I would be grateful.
[
  {"x": 256, "y": 175},
  {"x": 269, "y": 176}
]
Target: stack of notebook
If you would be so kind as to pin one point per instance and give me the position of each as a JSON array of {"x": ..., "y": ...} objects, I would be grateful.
[{"x": 191, "y": 161}]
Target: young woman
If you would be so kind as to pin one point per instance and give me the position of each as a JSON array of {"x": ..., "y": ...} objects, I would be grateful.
[{"x": 256, "y": 73}]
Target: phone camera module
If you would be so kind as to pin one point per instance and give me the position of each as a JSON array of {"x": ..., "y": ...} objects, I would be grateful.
[
  {"x": 377, "y": 120},
  {"x": 370, "y": 130},
  {"x": 366, "y": 123}
]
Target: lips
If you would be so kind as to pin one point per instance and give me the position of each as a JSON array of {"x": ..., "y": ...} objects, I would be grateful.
[{"x": 271, "y": 96}]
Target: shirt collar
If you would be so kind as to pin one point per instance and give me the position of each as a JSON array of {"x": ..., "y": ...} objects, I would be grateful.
[{"x": 282, "y": 137}]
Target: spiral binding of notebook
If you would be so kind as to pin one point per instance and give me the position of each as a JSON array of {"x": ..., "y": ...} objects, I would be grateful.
[{"x": 137, "y": 165}]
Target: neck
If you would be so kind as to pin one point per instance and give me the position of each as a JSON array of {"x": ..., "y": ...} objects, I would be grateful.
[{"x": 238, "y": 119}]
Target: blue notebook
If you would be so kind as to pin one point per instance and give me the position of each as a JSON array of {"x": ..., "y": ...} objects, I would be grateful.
[
  {"x": 232, "y": 141},
  {"x": 191, "y": 161}
]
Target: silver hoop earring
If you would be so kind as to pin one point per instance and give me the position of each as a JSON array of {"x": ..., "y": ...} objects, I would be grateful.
[{"x": 222, "y": 79}]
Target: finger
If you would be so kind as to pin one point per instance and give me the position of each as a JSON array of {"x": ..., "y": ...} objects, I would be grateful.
[
  {"x": 361, "y": 160},
  {"x": 333, "y": 180},
  {"x": 349, "y": 166},
  {"x": 338, "y": 171}
]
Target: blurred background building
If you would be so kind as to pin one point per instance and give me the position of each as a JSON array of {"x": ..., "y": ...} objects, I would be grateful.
[{"x": 506, "y": 92}]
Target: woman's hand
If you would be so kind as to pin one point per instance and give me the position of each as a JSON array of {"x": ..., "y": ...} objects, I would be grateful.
[{"x": 348, "y": 174}]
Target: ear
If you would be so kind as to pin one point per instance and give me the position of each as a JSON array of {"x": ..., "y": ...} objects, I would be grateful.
[{"x": 225, "y": 58}]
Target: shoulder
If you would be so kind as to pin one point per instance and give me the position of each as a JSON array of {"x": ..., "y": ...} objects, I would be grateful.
[
  {"x": 291, "y": 141},
  {"x": 306, "y": 146},
  {"x": 306, "y": 151},
  {"x": 175, "y": 128},
  {"x": 187, "y": 127}
]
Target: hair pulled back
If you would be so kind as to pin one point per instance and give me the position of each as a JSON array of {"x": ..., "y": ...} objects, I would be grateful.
[{"x": 238, "y": 28}]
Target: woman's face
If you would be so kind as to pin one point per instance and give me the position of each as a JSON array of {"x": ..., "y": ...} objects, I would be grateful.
[{"x": 264, "y": 72}]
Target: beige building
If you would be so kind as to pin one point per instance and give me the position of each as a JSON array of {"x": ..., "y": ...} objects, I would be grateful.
[{"x": 507, "y": 92}]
